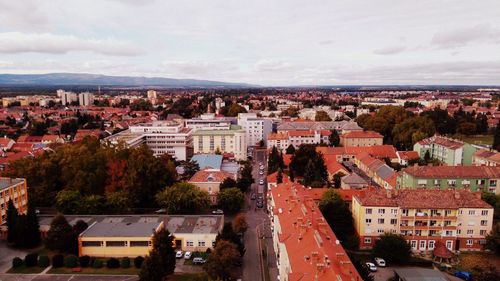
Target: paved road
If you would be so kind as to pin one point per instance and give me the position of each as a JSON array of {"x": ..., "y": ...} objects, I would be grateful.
[
  {"x": 7, "y": 254},
  {"x": 65, "y": 277}
]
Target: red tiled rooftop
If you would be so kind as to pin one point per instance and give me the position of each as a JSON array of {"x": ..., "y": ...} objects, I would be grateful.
[
  {"x": 453, "y": 172},
  {"x": 204, "y": 175},
  {"x": 361, "y": 134}
]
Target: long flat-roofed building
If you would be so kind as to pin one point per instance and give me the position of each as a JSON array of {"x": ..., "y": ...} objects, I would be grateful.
[
  {"x": 231, "y": 140},
  {"x": 15, "y": 190},
  {"x": 162, "y": 137},
  {"x": 306, "y": 247}
]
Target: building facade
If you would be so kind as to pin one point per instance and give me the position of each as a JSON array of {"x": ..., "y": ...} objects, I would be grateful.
[
  {"x": 15, "y": 190},
  {"x": 256, "y": 129},
  {"x": 231, "y": 140},
  {"x": 361, "y": 138},
  {"x": 458, "y": 218},
  {"x": 86, "y": 99},
  {"x": 449, "y": 151}
]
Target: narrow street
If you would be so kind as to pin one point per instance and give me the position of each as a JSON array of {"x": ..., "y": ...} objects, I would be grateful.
[{"x": 258, "y": 227}]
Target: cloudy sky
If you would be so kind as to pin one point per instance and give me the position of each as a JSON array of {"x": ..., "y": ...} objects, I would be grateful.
[{"x": 265, "y": 42}]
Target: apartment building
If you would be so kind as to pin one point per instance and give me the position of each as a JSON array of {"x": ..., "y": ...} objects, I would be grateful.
[
  {"x": 296, "y": 138},
  {"x": 470, "y": 177},
  {"x": 160, "y": 136},
  {"x": 14, "y": 189},
  {"x": 67, "y": 98},
  {"x": 485, "y": 157},
  {"x": 458, "y": 218},
  {"x": 341, "y": 127},
  {"x": 306, "y": 247},
  {"x": 256, "y": 128},
  {"x": 86, "y": 99},
  {"x": 449, "y": 151},
  {"x": 361, "y": 138},
  {"x": 230, "y": 140},
  {"x": 208, "y": 121}
]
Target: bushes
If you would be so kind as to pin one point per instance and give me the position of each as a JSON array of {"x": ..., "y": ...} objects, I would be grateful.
[
  {"x": 84, "y": 261},
  {"x": 138, "y": 261},
  {"x": 17, "y": 262},
  {"x": 125, "y": 262},
  {"x": 71, "y": 261},
  {"x": 31, "y": 260},
  {"x": 57, "y": 261},
  {"x": 97, "y": 263},
  {"x": 43, "y": 261},
  {"x": 113, "y": 263}
]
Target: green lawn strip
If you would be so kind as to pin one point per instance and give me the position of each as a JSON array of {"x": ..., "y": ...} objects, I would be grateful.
[
  {"x": 89, "y": 270},
  {"x": 26, "y": 270}
]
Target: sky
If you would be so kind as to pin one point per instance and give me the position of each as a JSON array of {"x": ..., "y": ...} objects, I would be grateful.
[{"x": 262, "y": 42}]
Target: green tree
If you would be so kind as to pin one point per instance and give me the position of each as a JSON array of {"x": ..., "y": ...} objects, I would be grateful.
[
  {"x": 337, "y": 179},
  {"x": 290, "y": 149},
  {"x": 228, "y": 183},
  {"x": 118, "y": 202},
  {"x": 339, "y": 217},
  {"x": 58, "y": 236},
  {"x": 406, "y": 133},
  {"x": 393, "y": 248},
  {"x": 32, "y": 234},
  {"x": 183, "y": 198},
  {"x": 315, "y": 173},
  {"x": 12, "y": 216},
  {"x": 279, "y": 177},
  {"x": 322, "y": 116},
  {"x": 240, "y": 224},
  {"x": 69, "y": 201},
  {"x": 231, "y": 200},
  {"x": 190, "y": 168},
  {"x": 334, "y": 138},
  {"x": 152, "y": 269},
  {"x": 163, "y": 243},
  {"x": 274, "y": 161},
  {"x": 493, "y": 239},
  {"x": 496, "y": 138},
  {"x": 93, "y": 205},
  {"x": 223, "y": 261},
  {"x": 246, "y": 179}
]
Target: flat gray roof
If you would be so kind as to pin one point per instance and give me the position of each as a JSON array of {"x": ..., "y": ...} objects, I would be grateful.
[
  {"x": 119, "y": 229},
  {"x": 7, "y": 182}
]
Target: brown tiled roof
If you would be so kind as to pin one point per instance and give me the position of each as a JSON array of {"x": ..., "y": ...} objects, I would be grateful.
[
  {"x": 204, "y": 175},
  {"x": 443, "y": 141},
  {"x": 441, "y": 251},
  {"x": 423, "y": 198},
  {"x": 362, "y": 134},
  {"x": 453, "y": 172}
]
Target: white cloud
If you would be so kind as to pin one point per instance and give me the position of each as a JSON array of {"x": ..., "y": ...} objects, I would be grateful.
[
  {"x": 463, "y": 36},
  {"x": 390, "y": 50},
  {"x": 17, "y": 42}
]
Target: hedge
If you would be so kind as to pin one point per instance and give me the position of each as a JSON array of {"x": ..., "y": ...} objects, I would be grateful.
[
  {"x": 112, "y": 263},
  {"x": 125, "y": 262},
  {"x": 57, "y": 261},
  {"x": 43, "y": 261},
  {"x": 97, "y": 263},
  {"x": 17, "y": 262},
  {"x": 84, "y": 261},
  {"x": 71, "y": 261},
  {"x": 138, "y": 261},
  {"x": 31, "y": 260}
]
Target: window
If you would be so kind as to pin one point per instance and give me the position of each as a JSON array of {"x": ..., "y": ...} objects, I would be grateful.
[
  {"x": 470, "y": 242},
  {"x": 201, "y": 243},
  {"x": 368, "y": 211},
  {"x": 431, "y": 244},
  {"x": 449, "y": 244},
  {"x": 381, "y": 211},
  {"x": 482, "y": 232},
  {"x": 381, "y": 221},
  {"x": 116, "y": 243},
  {"x": 394, "y": 211},
  {"x": 447, "y": 212},
  {"x": 394, "y": 221},
  {"x": 447, "y": 223},
  {"x": 470, "y": 231},
  {"x": 493, "y": 183},
  {"x": 449, "y": 233},
  {"x": 92, "y": 243},
  {"x": 368, "y": 240},
  {"x": 413, "y": 244},
  {"x": 459, "y": 231},
  {"x": 380, "y": 231},
  {"x": 484, "y": 212},
  {"x": 368, "y": 220},
  {"x": 189, "y": 243},
  {"x": 139, "y": 244},
  {"x": 422, "y": 244},
  {"x": 484, "y": 222},
  {"x": 472, "y": 212}
]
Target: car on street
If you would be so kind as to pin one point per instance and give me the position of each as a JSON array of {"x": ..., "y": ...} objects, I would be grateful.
[
  {"x": 261, "y": 182},
  {"x": 253, "y": 196},
  {"x": 187, "y": 255},
  {"x": 371, "y": 266},
  {"x": 380, "y": 262},
  {"x": 218, "y": 212},
  {"x": 262, "y": 167},
  {"x": 261, "y": 173},
  {"x": 161, "y": 211},
  {"x": 198, "y": 260},
  {"x": 260, "y": 204},
  {"x": 260, "y": 163},
  {"x": 178, "y": 255}
]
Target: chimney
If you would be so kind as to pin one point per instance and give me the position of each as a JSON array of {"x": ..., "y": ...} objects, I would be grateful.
[
  {"x": 388, "y": 193},
  {"x": 457, "y": 195}
]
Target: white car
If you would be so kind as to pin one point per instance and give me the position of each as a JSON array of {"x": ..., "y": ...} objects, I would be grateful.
[
  {"x": 178, "y": 255},
  {"x": 187, "y": 255},
  {"x": 261, "y": 182},
  {"x": 261, "y": 173},
  {"x": 218, "y": 212},
  {"x": 380, "y": 262},
  {"x": 371, "y": 266}
]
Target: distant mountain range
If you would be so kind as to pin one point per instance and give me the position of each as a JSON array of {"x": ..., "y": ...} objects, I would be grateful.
[{"x": 68, "y": 79}]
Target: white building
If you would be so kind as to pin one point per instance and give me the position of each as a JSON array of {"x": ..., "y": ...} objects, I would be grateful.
[
  {"x": 160, "y": 136},
  {"x": 297, "y": 137},
  {"x": 86, "y": 99},
  {"x": 230, "y": 140},
  {"x": 67, "y": 97},
  {"x": 256, "y": 128},
  {"x": 208, "y": 121}
]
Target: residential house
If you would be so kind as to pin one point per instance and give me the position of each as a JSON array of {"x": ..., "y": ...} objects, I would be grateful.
[
  {"x": 361, "y": 138},
  {"x": 449, "y": 151}
]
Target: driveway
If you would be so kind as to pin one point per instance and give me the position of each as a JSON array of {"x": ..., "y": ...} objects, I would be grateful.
[{"x": 7, "y": 254}]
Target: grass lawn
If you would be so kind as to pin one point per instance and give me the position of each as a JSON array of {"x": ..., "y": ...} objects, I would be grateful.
[
  {"x": 26, "y": 270},
  {"x": 89, "y": 270},
  {"x": 479, "y": 139}
]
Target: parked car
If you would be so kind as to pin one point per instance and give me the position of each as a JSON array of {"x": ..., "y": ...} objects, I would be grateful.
[
  {"x": 260, "y": 204},
  {"x": 371, "y": 266},
  {"x": 261, "y": 173},
  {"x": 464, "y": 275},
  {"x": 178, "y": 255},
  {"x": 187, "y": 255},
  {"x": 380, "y": 262},
  {"x": 161, "y": 211},
  {"x": 262, "y": 167},
  {"x": 261, "y": 182},
  {"x": 198, "y": 260},
  {"x": 253, "y": 196},
  {"x": 218, "y": 212}
]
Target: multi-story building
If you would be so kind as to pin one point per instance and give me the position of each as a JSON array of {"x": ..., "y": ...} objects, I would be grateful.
[
  {"x": 231, "y": 140},
  {"x": 208, "y": 121},
  {"x": 306, "y": 247},
  {"x": 160, "y": 136},
  {"x": 86, "y": 99},
  {"x": 209, "y": 180},
  {"x": 15, "y": 190},
  {"x": 67, "y": 98},
  {"x": 257, "y": 129},
  {"x": 449, "y": 151},
  {"x": 361, "y": 138},
  {"x": 296, "y": 138},
  {"x": 341, "y": 127},
  {"x": 470, "y": 177},
  {"x": 458, "y": 218},
  {"x": 485, "y": 157}
]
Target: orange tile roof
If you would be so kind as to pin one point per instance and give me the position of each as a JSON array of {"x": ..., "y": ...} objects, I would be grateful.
[
  {"x": 408, "y": 155},
  {"x": 453, "y": 172},
  {"x": 377, "y": 151},
  {"x": 423, "y": 198},
  {"x": 312, "y": 247},
  {"x": 298, "y": 133},
  {"x": 204, "y": 175},
  {"x": 4, "y": 142},
  {"x": 333, "y": 166},
  {"x": 278, "y": 136},
  {"x": 361, "y": 134}
]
